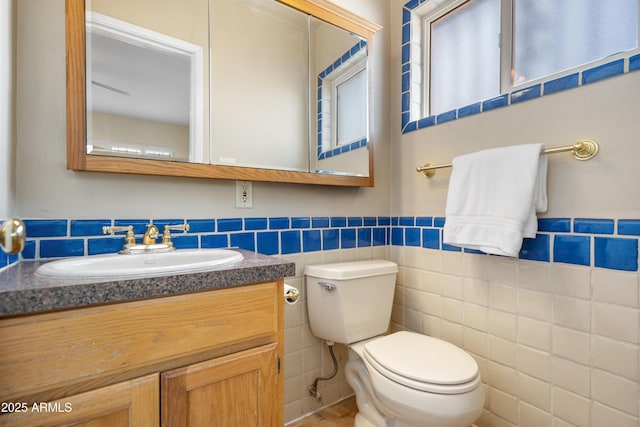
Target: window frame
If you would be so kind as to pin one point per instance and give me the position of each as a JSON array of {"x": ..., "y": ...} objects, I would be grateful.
[{"x": 417, "y": 15}]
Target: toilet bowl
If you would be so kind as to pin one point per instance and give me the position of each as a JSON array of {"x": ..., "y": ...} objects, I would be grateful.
[
  {"x": 416, "y": 380},
  {"x": 404, "y": 379}
]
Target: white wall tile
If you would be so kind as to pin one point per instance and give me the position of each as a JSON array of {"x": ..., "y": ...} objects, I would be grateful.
[
  {"x": 502, "y": 351},
  {"x": 504, "y": 325},
  {"x": 475, "y": 316},
  {"x": 571, "y": 344},
  {"x": 531, "y": 416},
  {"x": 536, "y": 305},
  {"x": 535, "y": 276},
  {"x": 475, "y": 265},
  {"x": 503, "y": 297},
  {"x": 605, "y": 416},
  {"x": 476, "y": 291},
  {"x": 504, "y": 405},
  {"x": 503, "y": 378},
  {"x": 413, "y": 278},
  {"x": 574, "y": 281},
  {"x": 452, "y": 262},
  {"x": 413, "y": 320},
  {"x": 452, "y": 286},
  {"x": 615, "y": 391},
  {"x": 571, "y": 407},
  {"x": 413, "y": 298},
  {"x": 431, "y": 260},
  {"x": 432, "y": 282},
  {"x": 571, "y": 376},
  {"x": 475, "y": 341},
  {"x": 534, "y": 362},
  {"x": 432, "y": 304},
  {"x": 503, "y": 270},
  {"x": 432, "y": 325},
  {"x": 615, "y": 356},
  {"x": 534, "y": 333},
  {"x": 535, "y": 392},
  {"x": 452, "y": 332},
  {"x": 452, "y": 310},
  {"x": 615, "y": 287},
  {"x": 572, "y": 313},
  {"x": 413, "y": 257},
  {"x": 616, "y": 322}
]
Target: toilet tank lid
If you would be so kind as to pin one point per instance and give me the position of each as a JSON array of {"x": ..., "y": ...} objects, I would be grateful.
[{"x": 351, "y": 269}]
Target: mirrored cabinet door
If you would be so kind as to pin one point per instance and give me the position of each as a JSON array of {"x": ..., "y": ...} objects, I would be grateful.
[{"x": 259, "y": 90}]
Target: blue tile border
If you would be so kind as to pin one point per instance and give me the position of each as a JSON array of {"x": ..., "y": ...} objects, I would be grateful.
[
  {"x": 597, "y": 242},
  {"x": 517, "y": 95}
]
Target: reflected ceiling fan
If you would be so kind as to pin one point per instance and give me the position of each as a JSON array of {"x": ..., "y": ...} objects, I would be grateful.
[{"x": 111, "y": 88}]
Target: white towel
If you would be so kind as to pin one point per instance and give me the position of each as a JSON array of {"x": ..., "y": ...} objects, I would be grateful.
[{"x": 493, "y": 198}]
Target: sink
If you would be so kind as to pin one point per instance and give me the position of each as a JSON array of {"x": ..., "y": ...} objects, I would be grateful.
[{"x": 140, "y": 265}]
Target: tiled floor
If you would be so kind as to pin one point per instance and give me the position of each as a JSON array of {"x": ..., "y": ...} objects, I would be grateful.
[{"x": 340, "y": 414}]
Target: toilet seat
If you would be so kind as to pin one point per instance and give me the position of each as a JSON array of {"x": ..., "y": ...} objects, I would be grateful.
[{"x": 423, "y": 363}]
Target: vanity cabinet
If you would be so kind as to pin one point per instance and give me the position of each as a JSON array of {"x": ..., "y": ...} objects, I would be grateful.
[{"x": 208, "y": 358}]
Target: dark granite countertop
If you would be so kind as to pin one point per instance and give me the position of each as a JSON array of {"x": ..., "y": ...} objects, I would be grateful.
[{"x": 22, "y": 292}]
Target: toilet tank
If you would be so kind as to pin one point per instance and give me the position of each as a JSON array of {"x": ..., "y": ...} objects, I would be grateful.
[{"x": 350, "y": 301}]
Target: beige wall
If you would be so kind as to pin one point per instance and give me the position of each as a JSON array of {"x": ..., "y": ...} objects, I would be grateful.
[
  {"x": 605, "y": 111},
  {"x": 7, "y": 115},
  {"x": 47, "y": 190}
]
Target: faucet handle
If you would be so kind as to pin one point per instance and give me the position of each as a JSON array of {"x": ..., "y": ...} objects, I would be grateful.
[
  {"x": 166, "y": 235},
  {"x": 129, "y": 239}
]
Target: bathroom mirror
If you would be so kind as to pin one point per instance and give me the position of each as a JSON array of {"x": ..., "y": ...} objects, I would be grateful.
[{"x": 188, "y": 135}]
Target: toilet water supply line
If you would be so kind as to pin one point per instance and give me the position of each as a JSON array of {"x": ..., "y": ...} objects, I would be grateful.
[{"x": 313, "y": 389}]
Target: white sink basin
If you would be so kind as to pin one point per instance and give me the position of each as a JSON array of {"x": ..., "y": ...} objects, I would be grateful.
[{"x": 140, "y": 265}]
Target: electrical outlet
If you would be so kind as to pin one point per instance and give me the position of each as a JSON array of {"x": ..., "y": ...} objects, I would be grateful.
[{"x": 244, "y": 194}]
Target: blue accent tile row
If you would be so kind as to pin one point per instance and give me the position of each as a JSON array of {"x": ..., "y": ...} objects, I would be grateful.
[
  {"x": 616, "y": 253},
  {"x": 586, "y": 76},
  {"x": 46, "y": 227},
  {"x": 599, "y": 242},
  {"x": 603, "y": 71},
  {"x": 593, "y": 226},
  {"x": 630, "y": 227}
]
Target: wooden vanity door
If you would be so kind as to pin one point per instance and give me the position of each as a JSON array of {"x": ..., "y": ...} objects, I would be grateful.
[
  {"x": 237, "y": 390},
  {"x": 133, "y": 403}
]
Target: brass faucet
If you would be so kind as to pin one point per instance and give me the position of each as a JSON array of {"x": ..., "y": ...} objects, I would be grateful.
[
  {"x": 148, "y": 244},
  {"x": 151, "y": 235}
]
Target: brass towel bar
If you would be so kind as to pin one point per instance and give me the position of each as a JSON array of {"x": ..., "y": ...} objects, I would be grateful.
[{"x": 581, "y": 150}]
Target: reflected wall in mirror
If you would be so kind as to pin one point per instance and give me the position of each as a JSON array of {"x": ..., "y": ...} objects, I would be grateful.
[
  {"x": 262, "y": 122},
  {"x": 340, "y": 113},
  {"x": 259, "y": 85},
  {"x": 146, "y": 79}
]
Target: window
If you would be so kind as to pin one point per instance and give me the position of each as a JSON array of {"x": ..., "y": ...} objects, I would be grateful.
[{"x": 459, "y": 55}]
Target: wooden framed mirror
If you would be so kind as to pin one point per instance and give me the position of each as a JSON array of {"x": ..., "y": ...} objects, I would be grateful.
[{"x": 82, "y": 157}]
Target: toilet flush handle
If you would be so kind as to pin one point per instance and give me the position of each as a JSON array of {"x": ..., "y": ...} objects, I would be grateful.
[{"x": 327, "y": 286}]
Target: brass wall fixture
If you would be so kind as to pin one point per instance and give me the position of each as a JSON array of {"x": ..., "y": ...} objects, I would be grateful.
[
  {"x": 13, "y": 234},
  {"x": 291, "y": 294},
  {"x": 581, "y": 150}
]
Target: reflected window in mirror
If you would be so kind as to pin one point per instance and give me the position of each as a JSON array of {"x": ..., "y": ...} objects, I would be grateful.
[
  {"x": 340, "y": 115},
  {"x": 342, "y": 103}
]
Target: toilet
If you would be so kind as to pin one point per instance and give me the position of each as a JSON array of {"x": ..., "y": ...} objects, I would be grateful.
[{"x": 404, "y": 379}]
